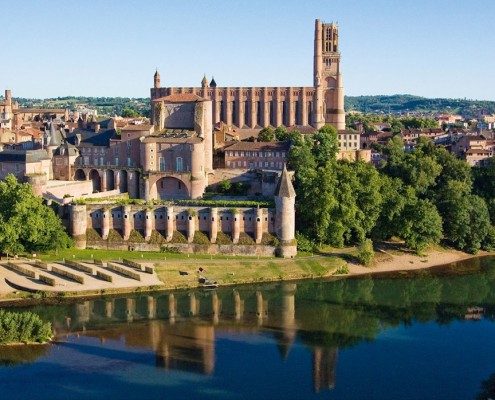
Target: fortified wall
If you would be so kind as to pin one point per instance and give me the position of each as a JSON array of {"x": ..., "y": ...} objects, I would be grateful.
[{"x": 212, "y": 230}]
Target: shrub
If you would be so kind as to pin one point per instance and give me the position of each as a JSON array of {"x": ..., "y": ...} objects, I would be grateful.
[
  {"x": 264, "y": 203},
  {"x": 156, "y": 237},
  {"x": 170, "y": 249},
  {"x": 200, "y": 238},
  {"x": 178, "y": 237},
  {"x": 342, "y": 270},
  {"x": 223, "y": 238},
  {"x": 136, "y": 237},
  {"x": 92, "y": 235},
  {"x": 269, "y": 240},
  {"x": 305, "y": 244},
  {"x": 366, "y": 254},
  {"x": 24, "y": 327},
  {"x": 114, "y": 236},
  {"x": 246, "y": 239},
  {"x": 224, "y": 186}
]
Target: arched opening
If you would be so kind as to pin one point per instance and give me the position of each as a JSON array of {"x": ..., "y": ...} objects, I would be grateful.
[
  {"x": 94, "y": 177},
  {"x": 110, "y": 179},
  {"x": 79, "y": 175},
  {"x": 123, "y": 180},
  {"x": 171, "y": 188}
]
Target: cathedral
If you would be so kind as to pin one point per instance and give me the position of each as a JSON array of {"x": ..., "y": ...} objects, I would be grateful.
[{"x": 259, "y": 107}]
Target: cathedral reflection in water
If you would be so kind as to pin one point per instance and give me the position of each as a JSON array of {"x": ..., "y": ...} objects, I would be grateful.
[{"x": 181, "y": 328}]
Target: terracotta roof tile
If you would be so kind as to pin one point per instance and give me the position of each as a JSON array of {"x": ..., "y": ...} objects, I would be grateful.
[{"x": 180, "y": 98}]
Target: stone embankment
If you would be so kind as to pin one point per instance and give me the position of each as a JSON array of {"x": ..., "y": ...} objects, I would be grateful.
[{"x": 72, "y": 276}]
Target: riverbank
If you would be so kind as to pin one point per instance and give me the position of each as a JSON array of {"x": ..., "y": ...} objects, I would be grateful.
[{"x": 177, "y": 271}]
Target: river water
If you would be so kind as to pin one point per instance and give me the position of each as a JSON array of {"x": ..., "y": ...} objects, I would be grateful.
[{"x": 422, "y": 335}]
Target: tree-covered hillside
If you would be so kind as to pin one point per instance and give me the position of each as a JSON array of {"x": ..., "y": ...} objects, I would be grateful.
[
  {"x": 403, "y": 103},
  {"x": 395, "y": 104}
]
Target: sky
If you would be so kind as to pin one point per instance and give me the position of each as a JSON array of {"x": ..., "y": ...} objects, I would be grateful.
[{"x": 432, "y": 48}]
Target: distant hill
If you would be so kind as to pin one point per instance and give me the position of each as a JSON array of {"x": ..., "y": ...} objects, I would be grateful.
[
  {"x": 395, "y": 104},
  {"x": 403, "y": 103}
]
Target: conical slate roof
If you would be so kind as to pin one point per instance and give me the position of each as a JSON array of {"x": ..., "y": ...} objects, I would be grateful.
[
  {"x": 213, "y": 83},
  {"x": 284, "y": 185}
]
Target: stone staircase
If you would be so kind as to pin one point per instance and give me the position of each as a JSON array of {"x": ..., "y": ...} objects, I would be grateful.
[{"x": 76, "y": 276}]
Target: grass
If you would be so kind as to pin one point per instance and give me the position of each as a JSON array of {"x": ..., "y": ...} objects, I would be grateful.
[
  {"x": 223, "y": 269},
  {"x": 237, "y": 270}
]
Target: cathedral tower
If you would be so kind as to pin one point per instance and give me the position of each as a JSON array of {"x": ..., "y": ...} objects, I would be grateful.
[{"x": 329, "y": 97}]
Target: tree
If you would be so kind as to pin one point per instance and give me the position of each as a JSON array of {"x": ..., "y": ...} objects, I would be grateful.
[
  {"x": 130, "y": 113},
  {"x": 26, "y": 224},
  {"x": 421, "y": 225},
  {"x": 325, "y": 145},
  {"x": 466, "y": 220},
  {"x": 266, "y": 135},
  {"x": 366, "y": 254},
  {"x": 281, "y": 133}
]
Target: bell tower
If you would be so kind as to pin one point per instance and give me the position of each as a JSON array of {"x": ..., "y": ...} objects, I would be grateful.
[{"x": 329, "y": 101}]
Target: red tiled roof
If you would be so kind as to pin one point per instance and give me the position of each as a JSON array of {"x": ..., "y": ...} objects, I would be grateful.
[
  {"x": 258, "y": 146},
  {"x": 180, "y": 98},
  {"x": 137, "y": 127}
]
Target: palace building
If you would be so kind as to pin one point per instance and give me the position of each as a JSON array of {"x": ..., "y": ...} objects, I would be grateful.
[{"x": 259, "y": 107}]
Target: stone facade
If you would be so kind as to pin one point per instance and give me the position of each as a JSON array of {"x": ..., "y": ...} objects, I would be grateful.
[{"x": 257, "y": 107}]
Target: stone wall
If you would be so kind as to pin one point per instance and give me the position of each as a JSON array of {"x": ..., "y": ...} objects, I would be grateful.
[{"x": 243, "y": 230}]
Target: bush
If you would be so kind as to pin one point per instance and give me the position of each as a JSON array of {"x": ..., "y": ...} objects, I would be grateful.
[
  {"x": 342, "y": 270},
  {"x": 24, "y": 327},
  {"x": 156, "y": 237},
  {"x": 178, "y": 237},
  {"x": 305, "y": 244},
  {"x": 366, "y": 254},
  {"x": 246, "y": 239},
  {"x": 200, "y": 238},
  {"x": 136, "y": 237},
  {"x": 269, "y": 240},
  {"x": 114, "y": 236},
  {"x": 224, "y": 186},
  {"x": 92, "y": 235},
  {"x": 170, "y": 249},
  {"x": 223, "y": 238}
]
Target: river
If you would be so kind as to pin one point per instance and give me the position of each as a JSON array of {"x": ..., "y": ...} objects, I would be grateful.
[{"x": 420, "y": 335}]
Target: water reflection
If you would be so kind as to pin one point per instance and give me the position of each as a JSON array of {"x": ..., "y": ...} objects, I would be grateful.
[{"x": 182, "y": 329}]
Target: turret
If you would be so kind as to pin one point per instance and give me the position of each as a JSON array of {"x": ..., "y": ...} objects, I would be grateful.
[
  {"x": 285, "y": 221},
  {"x": 8, "y": 97},
  {"x": 156, "y": 80},
  {"x": 204, "y": 82},
  {"x": 213, "y": 84}
]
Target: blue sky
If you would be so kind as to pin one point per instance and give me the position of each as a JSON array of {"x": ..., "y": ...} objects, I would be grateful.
[{"x": 433, "y": 48}]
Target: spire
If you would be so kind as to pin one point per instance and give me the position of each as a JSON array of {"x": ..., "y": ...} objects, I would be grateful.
[
  {"x": 204, "y": 81},
  {"x": 156, "y": 79},
  {"x": 284, "y": 186},
  {"x": 213, "y": 84}
]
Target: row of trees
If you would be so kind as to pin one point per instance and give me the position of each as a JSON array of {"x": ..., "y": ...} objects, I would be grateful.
[
  {"x": 421, "y": 196},
  {"x": 396, "y": 123}
]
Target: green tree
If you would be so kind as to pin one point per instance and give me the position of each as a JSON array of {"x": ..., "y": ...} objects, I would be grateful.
[
  {"x": 421, "y": 225},
  {"x": 325, "y": 145},
  {"x": 26, "y": 224},
  {"x": 366, "y": 254},
  {"x": 130, "y": 113},
  {"x": 466, "y": 220},
  {"x": 281, "y": 133},
  {"x": 266, "y": 135}
]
